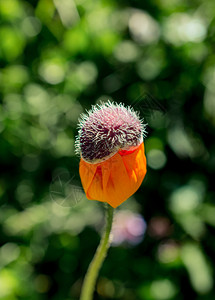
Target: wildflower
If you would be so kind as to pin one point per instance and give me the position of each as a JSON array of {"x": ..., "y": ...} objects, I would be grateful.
[{"x": 113, "y": 162}]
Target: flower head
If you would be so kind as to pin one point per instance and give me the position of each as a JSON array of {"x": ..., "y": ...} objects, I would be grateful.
[{"x": 110, "y": 142}]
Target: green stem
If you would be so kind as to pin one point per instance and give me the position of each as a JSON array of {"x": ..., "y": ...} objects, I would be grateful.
[{"x": 96, "y": 263}]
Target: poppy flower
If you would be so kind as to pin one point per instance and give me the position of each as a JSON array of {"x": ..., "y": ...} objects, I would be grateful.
[{"x": 110, "y": 143}]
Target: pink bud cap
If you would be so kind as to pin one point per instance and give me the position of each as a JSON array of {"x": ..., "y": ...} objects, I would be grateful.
[{"x": 106, "y": 129}]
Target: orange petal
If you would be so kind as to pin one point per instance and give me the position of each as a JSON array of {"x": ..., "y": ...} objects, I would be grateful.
[
  {"x": 116, "y": 179},
  {"x": 87, "y": 172}
]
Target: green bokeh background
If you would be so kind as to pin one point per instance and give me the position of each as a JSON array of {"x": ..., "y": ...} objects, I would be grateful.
[{"x": 57, "y": 58}]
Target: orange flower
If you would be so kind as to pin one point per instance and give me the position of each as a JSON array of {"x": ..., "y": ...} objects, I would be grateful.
[
  {"x": 112, "y": 173},
  {"x": 116, "y": 179}
]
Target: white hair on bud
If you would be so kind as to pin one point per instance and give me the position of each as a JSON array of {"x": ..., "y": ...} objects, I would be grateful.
[{"x": 107, "y": 128}]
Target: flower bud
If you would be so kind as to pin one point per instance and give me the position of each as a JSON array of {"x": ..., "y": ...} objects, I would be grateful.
[{"x": 113, "y": 162}]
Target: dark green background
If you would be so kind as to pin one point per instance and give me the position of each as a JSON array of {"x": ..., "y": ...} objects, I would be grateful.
[{"x": 57, "y": 59}]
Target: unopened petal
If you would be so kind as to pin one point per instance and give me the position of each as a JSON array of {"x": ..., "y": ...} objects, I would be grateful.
[{"x": 116, "y": 179}]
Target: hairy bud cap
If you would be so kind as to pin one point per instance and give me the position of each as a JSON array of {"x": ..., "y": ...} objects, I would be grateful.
[{"x": 107, "y": 129}]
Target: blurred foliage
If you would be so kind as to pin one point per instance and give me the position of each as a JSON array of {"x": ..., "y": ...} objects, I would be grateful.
[{"x": 57, "y": 58}]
